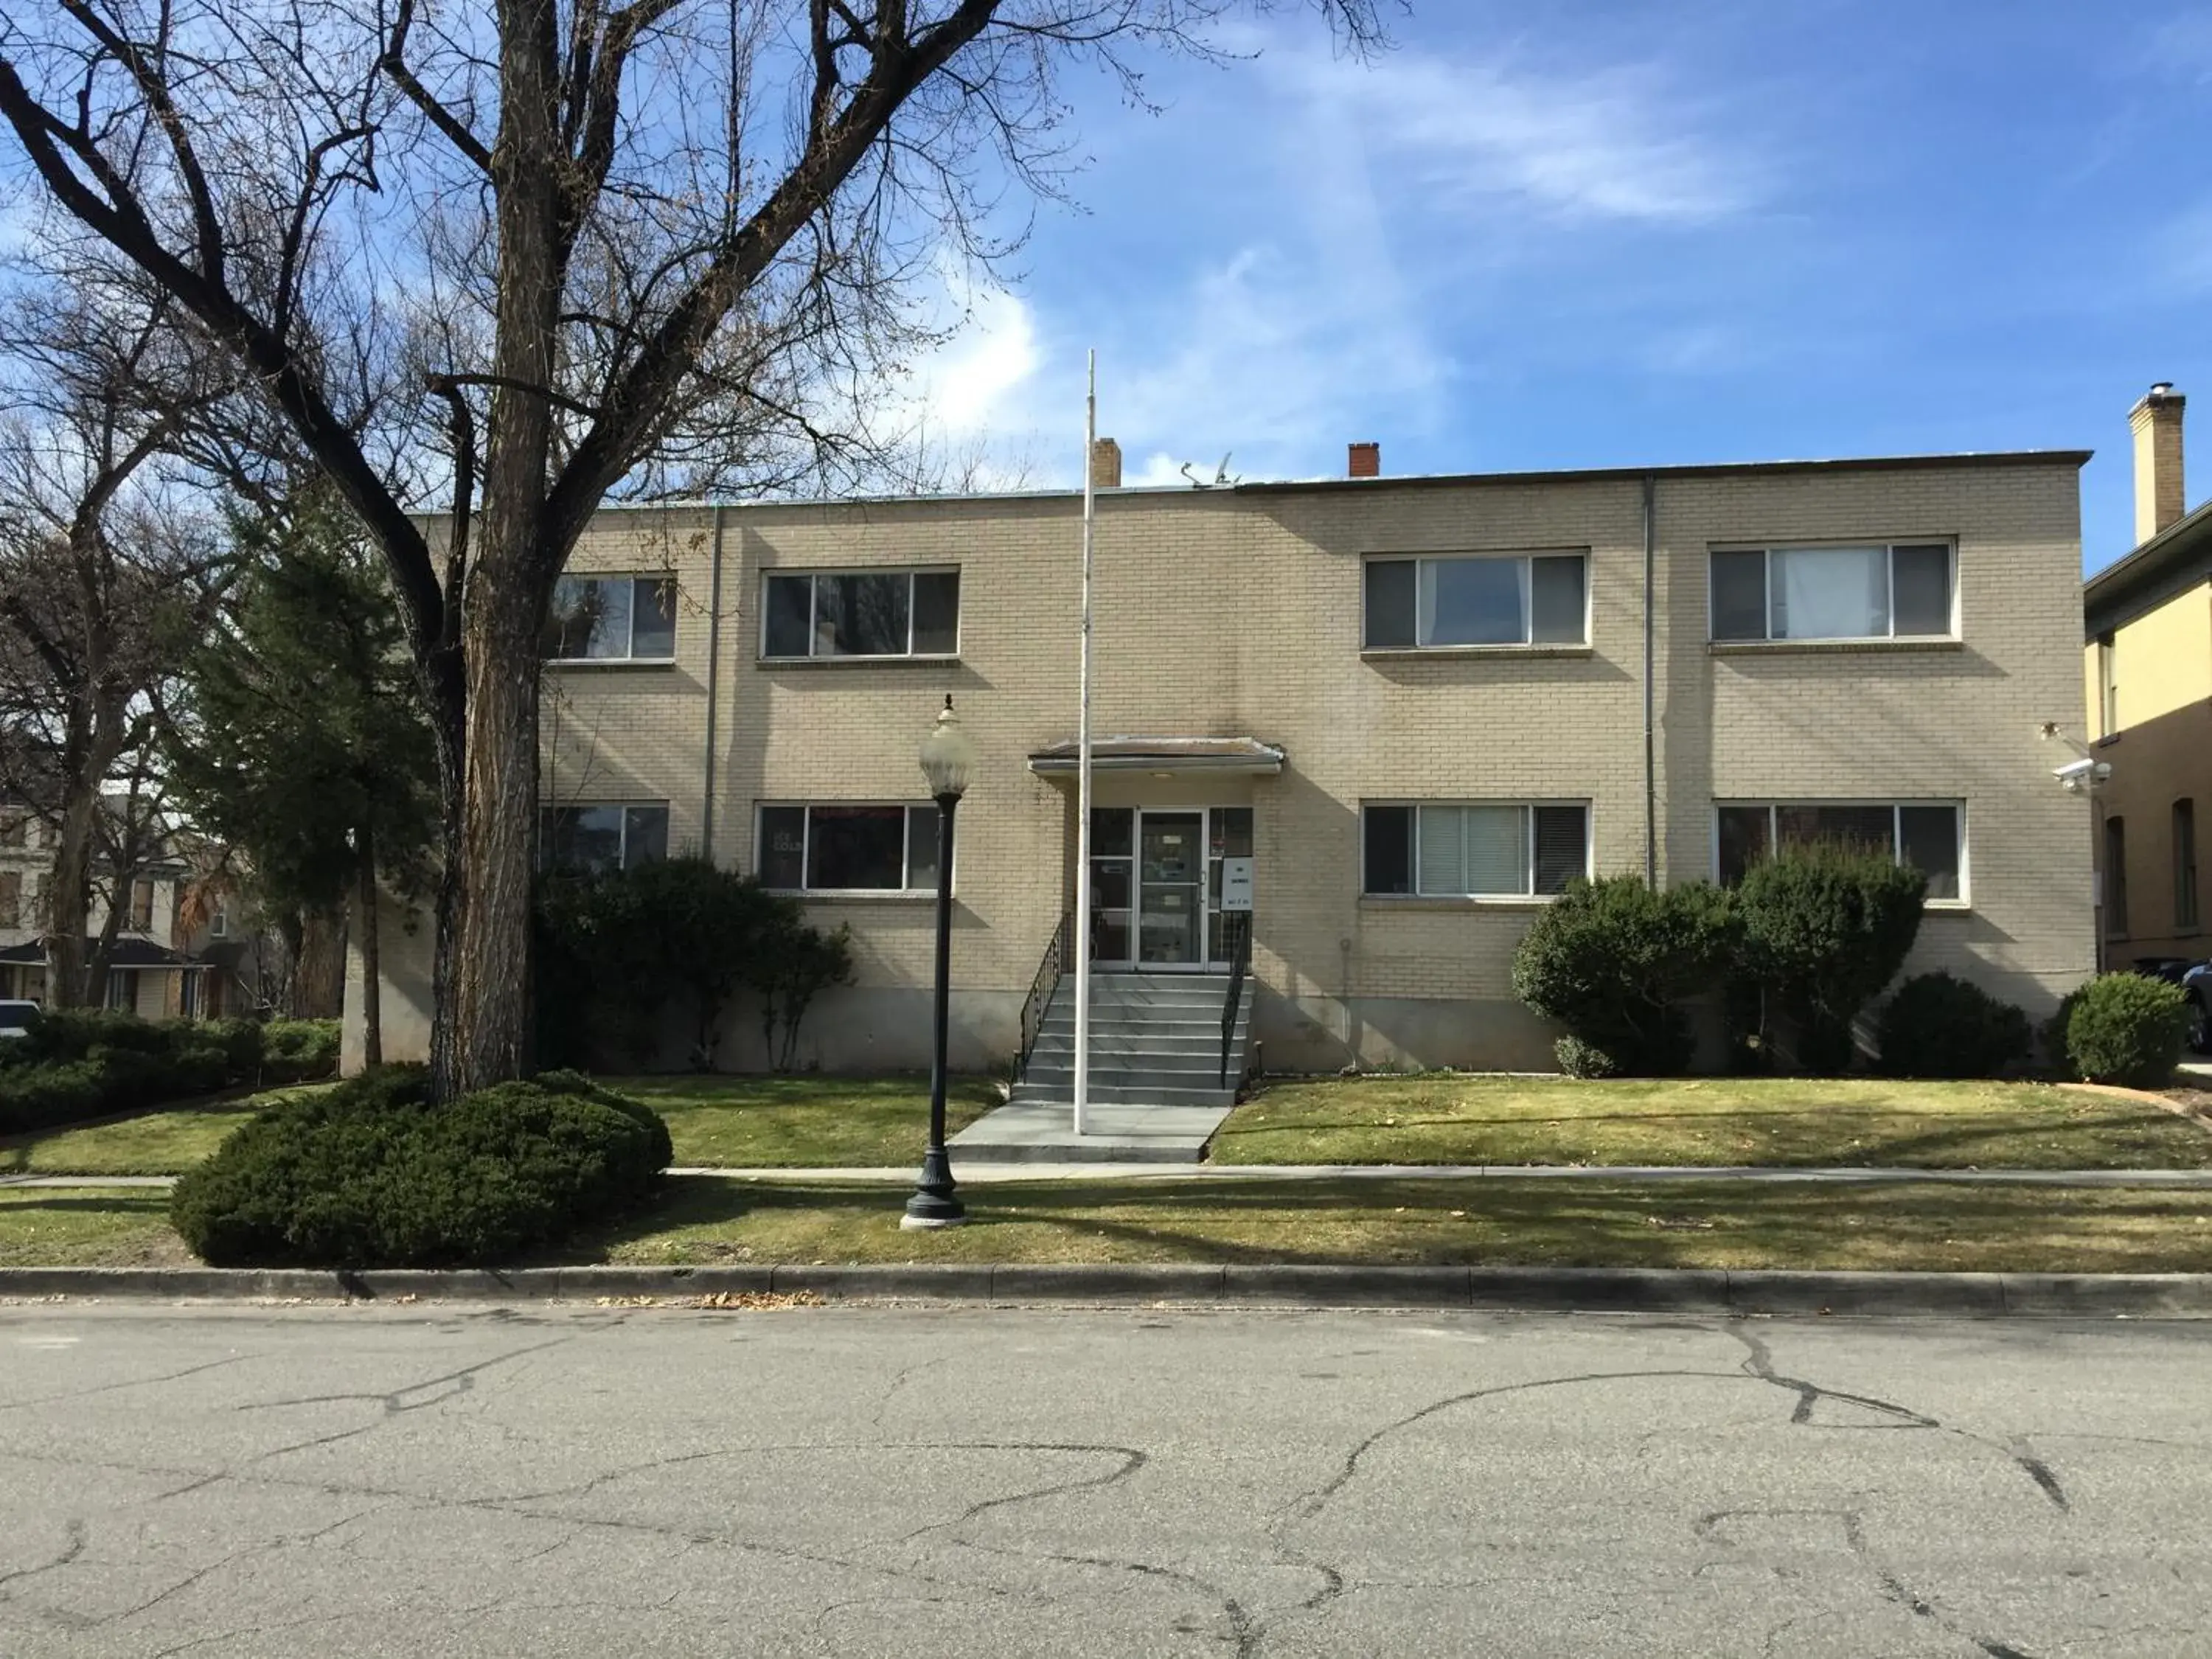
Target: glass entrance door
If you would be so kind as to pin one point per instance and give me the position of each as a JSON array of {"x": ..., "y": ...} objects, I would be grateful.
[
  {"x": 1156, "y": 883},
  {"x": 1171, "y": 889}
]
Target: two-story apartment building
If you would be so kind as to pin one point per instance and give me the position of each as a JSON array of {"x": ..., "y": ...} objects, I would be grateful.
[
  {"x": 2147, "y": 669},
  {"x": 147, "y": 974},
  {"x": 1419, "y": 705}
]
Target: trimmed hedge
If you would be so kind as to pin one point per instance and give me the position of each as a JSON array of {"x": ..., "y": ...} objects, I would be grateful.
[
  {"x": 369, "y": 1175},
  {"x": 1825, "y": 926},
  {"x": 72, "y": 1064},
  {"x": 1612, "y": 960},
  {"x": 1936, "y": 1025},
  {"x": 2128, "y": 1028}
]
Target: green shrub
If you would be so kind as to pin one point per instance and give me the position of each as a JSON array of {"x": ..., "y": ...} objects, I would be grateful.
[
  {"x": 1825, "y": 927},
  {"x": 1936, "y": 1025},
  {"x": 295, "y": 1050},
  {"x": 48, "y": 1092},
  {"x": 1611, "y": 960},
  {"x": 2127, "y": 1029},
  {"x": 240, "y": 1040},
  {"x": 2050, "y": 1035},
  {"x": 369, "y": 1175}
]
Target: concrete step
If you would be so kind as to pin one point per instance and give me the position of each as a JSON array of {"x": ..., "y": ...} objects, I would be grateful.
[
  {"x": 1061, "y": 1045},
  {"x": 1122, "y": 1021},
  {"x": 1137, "y": 1074},
  {"x": 1111, "y": 1094}
]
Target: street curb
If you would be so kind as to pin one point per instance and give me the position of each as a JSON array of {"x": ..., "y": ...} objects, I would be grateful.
[{"x": 1259, "y": 1284}]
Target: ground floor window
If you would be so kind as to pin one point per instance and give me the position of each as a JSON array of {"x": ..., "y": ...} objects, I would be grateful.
[
  {"x": 1486, "y": 849},
  {"x": 848, "y": 847},
  {"x": 1931, "y": 837},
  {"x": 122, "y": 991},
  {"x": 594, "y": 839}
]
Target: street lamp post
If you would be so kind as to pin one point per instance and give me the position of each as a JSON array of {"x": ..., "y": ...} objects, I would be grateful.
[{"x": 947, "y": 756}]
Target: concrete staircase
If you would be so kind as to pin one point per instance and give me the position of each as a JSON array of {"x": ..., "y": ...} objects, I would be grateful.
[{"x": 1155, "y": 1041}]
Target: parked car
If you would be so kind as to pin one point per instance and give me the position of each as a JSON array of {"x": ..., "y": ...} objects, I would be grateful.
[
  {"x": 2174, "y": 971},
  {"x": 2197, "y": 985},
  {"x": 15, "y": 1018}
]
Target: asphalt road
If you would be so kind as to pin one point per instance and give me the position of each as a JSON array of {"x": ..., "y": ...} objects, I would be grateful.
[{"x": 588, "y": 1481}]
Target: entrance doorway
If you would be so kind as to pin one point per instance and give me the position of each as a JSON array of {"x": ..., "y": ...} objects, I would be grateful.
[{"x": 1155, "y": 884}]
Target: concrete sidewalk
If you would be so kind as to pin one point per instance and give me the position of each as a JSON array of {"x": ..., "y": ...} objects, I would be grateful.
[{"x": 972, "y": 1174}]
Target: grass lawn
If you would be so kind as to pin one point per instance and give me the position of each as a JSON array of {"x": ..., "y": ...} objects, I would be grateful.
[
  {"x": 707, "y": 1219},
  {"x": 61, "y": 1227},
  {"x": 152, "y": 1143},
  {"x": 1451, "y": 1118},
  {"x": 1584, "y": 1224},
  {"x": 812, "y": 1122}
]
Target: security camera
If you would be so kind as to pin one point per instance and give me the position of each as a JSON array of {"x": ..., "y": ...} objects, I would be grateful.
[{"x": 2083, "y": 773}]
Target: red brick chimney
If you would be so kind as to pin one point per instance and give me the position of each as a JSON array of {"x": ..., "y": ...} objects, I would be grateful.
[{"x": 1366, "y": 460}]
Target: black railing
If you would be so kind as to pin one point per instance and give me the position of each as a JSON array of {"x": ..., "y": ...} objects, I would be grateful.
[
  {"x": 1238, "y": 922},
  {"x": 1041, "y": 990}
]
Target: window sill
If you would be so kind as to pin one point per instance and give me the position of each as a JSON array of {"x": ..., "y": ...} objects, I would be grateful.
[
  {"x": 610, "y": 662},
  {"x": 856, "y": 895},
  {"x": 916, "y": 660},
  {"x": 1416, "y": 653},
  {"x": 1755, "y": 648},
  {"x": 2108, "y": 740},
  {"x": 1422, "y": 901},
  {"x": 1947, "y": 907}
]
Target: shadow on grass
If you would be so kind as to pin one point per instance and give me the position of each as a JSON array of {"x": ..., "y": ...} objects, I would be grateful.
[{"x": 1700, "y": 1225}]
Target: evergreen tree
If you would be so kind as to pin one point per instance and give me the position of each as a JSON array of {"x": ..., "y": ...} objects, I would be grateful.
[{"x": 301, "y": 738}]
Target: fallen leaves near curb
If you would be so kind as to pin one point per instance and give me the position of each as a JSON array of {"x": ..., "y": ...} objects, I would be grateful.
[{"x": 720, "y": 1299}]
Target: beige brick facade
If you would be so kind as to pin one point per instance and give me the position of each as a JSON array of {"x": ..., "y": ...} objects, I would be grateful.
[{"x": 1237, "y": 612}]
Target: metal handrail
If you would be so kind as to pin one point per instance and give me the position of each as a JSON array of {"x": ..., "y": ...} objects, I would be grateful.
[
  {"x": 1239, "y": 964},
  {"x": 1041, "y": 990}
]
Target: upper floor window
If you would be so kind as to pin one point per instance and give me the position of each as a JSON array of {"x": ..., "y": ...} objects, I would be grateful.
[
  {"x": 861, "y": 613},
  {"x": 2108, "y": 687},
  {"x": 1484, "y": 850},
  {"x": 1517, "y": 598},
  {"x": 15, "y": 826},
  {"x": 219, "y": 923},
  {"x": 1930, "y": 838},
  {"x": 844, "y": 847},
  {"x": 594, "y": 840},
  {"x": 612, "y": 619},
  {"x": 1874, "y": 593},
  {"x": 142, "y": 905},
  {"x": 11, "y": 898}
]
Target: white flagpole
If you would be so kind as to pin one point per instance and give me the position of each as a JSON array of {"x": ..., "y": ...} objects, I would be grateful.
[{"x": 1083, "y": 775}]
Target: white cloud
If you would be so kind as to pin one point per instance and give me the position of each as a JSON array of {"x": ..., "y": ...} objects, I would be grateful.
[
  {"x": 1618, "y": 143},
  {"x": 966, "y": 385}
]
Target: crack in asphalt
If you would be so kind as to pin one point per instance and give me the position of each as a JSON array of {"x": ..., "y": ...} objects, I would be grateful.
[{"x": 73, "y": 1530}]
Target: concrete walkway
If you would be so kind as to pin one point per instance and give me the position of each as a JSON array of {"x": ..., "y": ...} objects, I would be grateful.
[
  {"x": 1033, "y": 1132},
  {"x": 973, "y": 1173}
]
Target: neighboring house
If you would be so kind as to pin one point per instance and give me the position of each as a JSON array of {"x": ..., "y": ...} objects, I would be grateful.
[
  {"x": 147, "y": 975},
  {"x": 2147, "y": 663},
  {"x": 1418, "y": 706}
]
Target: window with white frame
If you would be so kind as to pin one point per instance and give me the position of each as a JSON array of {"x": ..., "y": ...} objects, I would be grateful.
[
  {"x": 612, "y": 619},
  {"x": 1880, "y": 590},
  {"x": 847, "y": 848},
  {"x": 1931, "y": 837},
  {"x": 1472, "y": 849},
  {"x": 2108, "y": 687},
  {"x": 860, "y": 613},
  {"x": 592, "y": 840},
  {"x": 1508, "y": 598}
]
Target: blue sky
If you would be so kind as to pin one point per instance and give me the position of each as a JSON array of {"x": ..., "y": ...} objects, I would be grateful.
[{"x": 1597, "y": 233}]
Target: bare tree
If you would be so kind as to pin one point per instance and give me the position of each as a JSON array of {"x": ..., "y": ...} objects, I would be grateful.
[
  {"x": 100, "y": 567},
  {"x": 575, "y": 247}
]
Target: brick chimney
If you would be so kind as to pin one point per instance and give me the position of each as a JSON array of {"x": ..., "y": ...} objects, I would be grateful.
[
  {"x": 1367, "y": 460},
  {"x": 2156, "y": 422},
  {"x": 1105, "y": 464}
]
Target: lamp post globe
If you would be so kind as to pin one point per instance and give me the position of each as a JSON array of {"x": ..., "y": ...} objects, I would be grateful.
[{"x": 948, "y": 756}]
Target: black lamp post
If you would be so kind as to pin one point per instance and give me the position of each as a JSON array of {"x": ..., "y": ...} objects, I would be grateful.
[{"x": 947, "y": 757}]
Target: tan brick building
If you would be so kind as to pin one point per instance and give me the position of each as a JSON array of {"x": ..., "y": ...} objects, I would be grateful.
[
  {"x": 1419, "y": 705},
  {"x": 2147, "y": 668}
]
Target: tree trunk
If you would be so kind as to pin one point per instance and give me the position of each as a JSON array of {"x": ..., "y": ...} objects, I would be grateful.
[
  {"x": 372, "y": 964},
  {"x": 490, "y": 965},
  {"x": 69, "y": 900},
  {"x": 318, "y": 987}
]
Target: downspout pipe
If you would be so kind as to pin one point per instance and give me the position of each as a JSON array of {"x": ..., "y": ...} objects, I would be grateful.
[
  {"x": 1650, "y": 698},
  {"x": 714, "y": 680}
]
